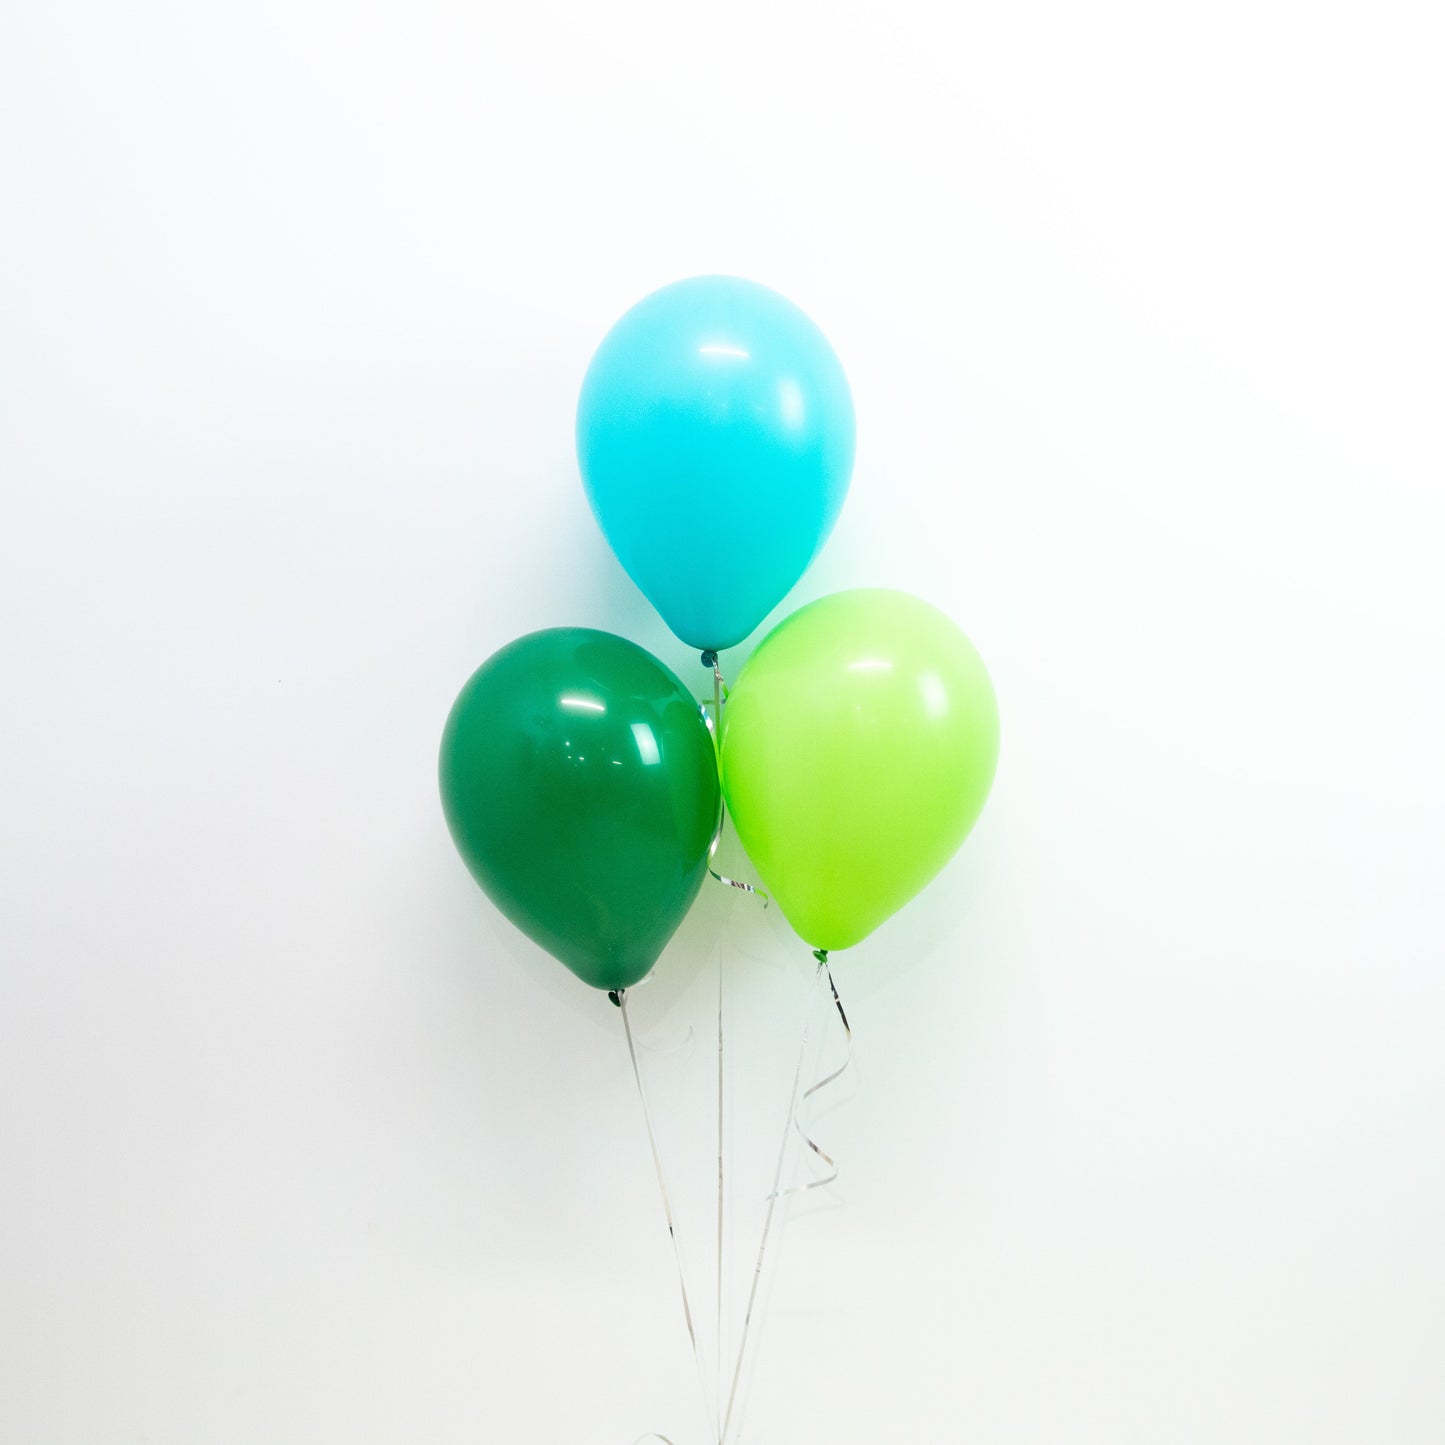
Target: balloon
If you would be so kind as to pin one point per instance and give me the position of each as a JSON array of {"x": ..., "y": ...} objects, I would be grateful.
[
  {"x": 858, "y": 745},
  {"x": 715, "y": 438},
  {"x": 580, "y": 784}
]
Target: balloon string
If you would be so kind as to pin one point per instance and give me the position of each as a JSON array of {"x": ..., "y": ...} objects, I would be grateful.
[
  {"x": 719, "y": 691},
  {"x": 619, "y": 997},
  {"x": 719, "y": 686},
  {"x": 737, "y": 882},
  {"x": 774, "y": 1195},
  {"x": 714, "y": 723},
  {"x": 714, "y": 720},
  {"x": 821, "y": 955},
  {"x": 718, "y": 1333}
]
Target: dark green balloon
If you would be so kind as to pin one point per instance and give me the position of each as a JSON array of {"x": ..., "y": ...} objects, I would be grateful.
[{"x": 580, "y": 785}]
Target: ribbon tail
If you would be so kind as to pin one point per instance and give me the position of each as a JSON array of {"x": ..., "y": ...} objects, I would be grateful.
[{"x": 822, "y": 956}]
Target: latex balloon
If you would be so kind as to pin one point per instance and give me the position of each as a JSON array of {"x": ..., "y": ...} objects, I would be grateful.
[
  {"x": 858, "y": 746},
  {"x": 580, "y": 784},
  {"x": 715, "y": 437}
]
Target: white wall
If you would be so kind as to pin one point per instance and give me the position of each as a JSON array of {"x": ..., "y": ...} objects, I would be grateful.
[{"x": 1142, "y": 307}]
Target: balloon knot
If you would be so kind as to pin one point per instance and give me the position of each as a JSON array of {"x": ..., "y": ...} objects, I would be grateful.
[
  {"x": 709, "y": 659},
  {"x": 615, "y": 994},
  {"x": 821, "y": 954}
]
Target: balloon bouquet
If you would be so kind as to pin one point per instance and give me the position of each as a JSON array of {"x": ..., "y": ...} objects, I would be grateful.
[{"x": 580, "y": 777}]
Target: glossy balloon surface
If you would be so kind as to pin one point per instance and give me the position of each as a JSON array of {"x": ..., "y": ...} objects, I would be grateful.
[
  {"x": 580, "y": 784},
  {"x": 715, "y": 435},
  {"x": 858, "y": 746}
]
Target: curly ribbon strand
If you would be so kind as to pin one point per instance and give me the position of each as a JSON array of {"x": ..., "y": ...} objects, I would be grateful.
[
  {"x": 719, "y": 697},
  {"x": 774, "y": 1195},
  {"x": 719, "y": 692},
  {"x": 714, "y": 722},
  {"x": 718, "y": 1320},
  {"x": 821, "y": 954},
  {"x": 619, "y": 997},
  {"x": 736, "y": 882},
  {"x": 719, "y": 686}
]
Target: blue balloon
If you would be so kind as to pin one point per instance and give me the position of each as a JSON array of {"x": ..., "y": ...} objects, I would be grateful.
[{"x": 715, "y": 436}]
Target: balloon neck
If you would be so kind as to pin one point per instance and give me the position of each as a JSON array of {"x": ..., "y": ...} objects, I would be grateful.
[
  {"x": 709, "y": 659},
  {"x": 821, "y": 954},
  {"x": 615, "y": 994}
]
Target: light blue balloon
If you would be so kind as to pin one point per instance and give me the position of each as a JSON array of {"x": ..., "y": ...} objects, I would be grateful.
[{"x": 715, "y": 435}]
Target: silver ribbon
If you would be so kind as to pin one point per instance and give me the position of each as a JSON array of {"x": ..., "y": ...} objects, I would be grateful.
[
  {"x": 822, "y": 956},
  {"x": 619, "y": 997},
  {"x": 732, "y": 882},
  {"x": 714, "y": 722},
  {"x": 774, "y": 1195}
]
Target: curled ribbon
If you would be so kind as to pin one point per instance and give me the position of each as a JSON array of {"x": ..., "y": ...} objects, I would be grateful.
[
  {"x": 719, "y": 686},
  {"x": 821, "y": 954},
  {"x": 714, "y": 723},
  {"x": 619, "y": 997},
  {"x": 733, "y": 882},
  {"x": 719, "y": 697},
  {"x": 795, "y": 1103}
]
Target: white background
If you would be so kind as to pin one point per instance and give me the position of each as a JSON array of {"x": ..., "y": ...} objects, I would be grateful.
[{"x": 1142, "y": 306}]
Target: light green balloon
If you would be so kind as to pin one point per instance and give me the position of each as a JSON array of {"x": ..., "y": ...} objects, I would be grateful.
[{"x": 858, "y": 746}]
